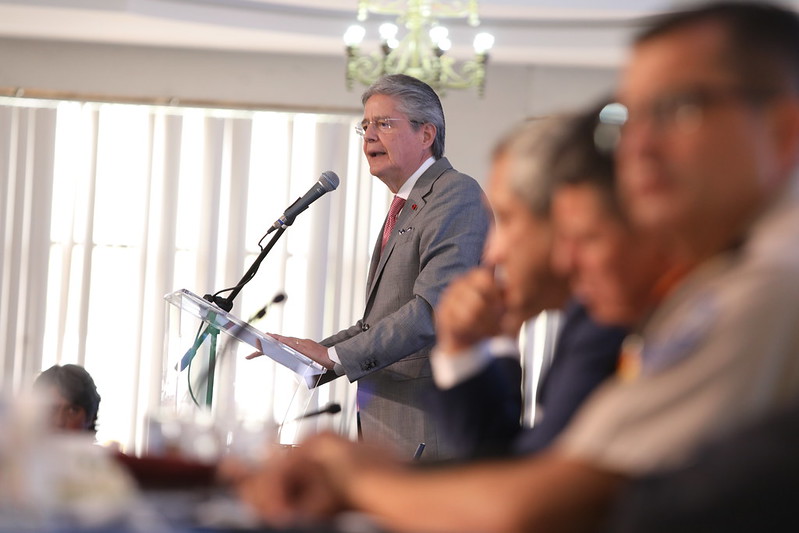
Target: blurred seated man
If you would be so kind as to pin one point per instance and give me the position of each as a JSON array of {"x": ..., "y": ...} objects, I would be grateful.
[
  {"x": 73, "y": 397},
  {"x": 708, "y": 161},
  {"x": 477, "y": 374}
]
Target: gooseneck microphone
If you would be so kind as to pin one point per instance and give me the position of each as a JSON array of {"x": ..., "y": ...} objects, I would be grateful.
[
  {"x": 331, "y": 408},
  {"x": 279, "y": 297},
  {"x": 328, "y": 181}
]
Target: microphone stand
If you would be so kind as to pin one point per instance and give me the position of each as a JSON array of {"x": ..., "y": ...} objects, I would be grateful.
[{"x": 226, "y": 304}]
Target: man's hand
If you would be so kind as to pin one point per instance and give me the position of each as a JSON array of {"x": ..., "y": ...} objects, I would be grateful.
[
  {"x": 289, "y": 490},
  {"x": 307, "y": 347},
  {"x": 471, "y": 309}
]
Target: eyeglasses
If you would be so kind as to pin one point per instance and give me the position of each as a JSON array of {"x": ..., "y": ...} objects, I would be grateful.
[
  {"x": 383, "y": 125},
  {"x": 682, "y": 110}
]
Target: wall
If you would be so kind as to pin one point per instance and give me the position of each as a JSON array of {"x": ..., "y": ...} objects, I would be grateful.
[{"x": 291, "y": 81}]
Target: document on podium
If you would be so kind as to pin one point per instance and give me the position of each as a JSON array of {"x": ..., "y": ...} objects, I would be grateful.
[{"x": 240, "y": 330}]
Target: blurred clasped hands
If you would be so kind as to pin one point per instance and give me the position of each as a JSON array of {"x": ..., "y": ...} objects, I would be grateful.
[{"x": 310, "y": 483}]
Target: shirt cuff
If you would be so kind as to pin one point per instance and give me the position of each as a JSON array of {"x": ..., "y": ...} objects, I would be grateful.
[
  {"x": 450, "y": 370},
  {"x": 338, "y": 368}
]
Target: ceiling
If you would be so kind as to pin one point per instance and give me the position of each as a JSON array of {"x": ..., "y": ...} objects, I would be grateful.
[{"x": 584, "y": 32}]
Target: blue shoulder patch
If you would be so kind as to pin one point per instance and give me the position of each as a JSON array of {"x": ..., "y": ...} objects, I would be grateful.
[{"x": 683, "y": 338}]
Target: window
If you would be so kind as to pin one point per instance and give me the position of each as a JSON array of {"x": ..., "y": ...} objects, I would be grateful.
[{"x": 108, "y": 207}]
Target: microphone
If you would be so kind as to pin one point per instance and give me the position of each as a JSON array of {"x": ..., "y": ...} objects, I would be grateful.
[
  {"x": 279, "y": 297},
  {"x": 328, "y": 181},
  {"x": 331, "y": 408}
]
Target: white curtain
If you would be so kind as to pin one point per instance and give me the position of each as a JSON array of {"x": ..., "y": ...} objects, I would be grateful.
[
  {"x": 108, "y": 207},
  {"x": 26, "y": 186}
]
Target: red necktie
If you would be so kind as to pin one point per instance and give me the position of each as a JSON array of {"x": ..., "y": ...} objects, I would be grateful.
[{"x": 393, "y": 211}]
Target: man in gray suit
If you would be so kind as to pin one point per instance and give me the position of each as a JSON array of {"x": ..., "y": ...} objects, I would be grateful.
[{"x": 434, "y": 232}]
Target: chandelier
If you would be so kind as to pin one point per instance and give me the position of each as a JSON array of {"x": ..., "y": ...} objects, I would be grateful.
[{"x": 422, "y": 52}]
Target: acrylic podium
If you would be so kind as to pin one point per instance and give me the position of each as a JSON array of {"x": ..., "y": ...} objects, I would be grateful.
[{"x": 194, "y": 325}]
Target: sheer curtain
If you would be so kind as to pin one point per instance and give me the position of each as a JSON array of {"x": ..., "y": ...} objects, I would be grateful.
[{"x": 108, "y": 207}]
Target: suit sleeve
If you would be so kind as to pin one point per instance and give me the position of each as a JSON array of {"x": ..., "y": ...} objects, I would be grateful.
[
  {"x": 447, "y": 240},
  {"x": 343, "y": 335},
  {"x": 481, "y": 416}
]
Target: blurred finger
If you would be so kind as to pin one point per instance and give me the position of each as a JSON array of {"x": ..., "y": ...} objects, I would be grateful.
[{"x": 253, "y": 355}]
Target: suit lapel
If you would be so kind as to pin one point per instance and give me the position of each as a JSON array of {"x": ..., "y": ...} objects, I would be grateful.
[
  {"x": 416, "y": 198},
  {"x": 375, "y": 259}
]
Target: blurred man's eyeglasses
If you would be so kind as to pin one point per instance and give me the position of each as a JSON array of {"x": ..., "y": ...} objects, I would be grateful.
[
  {"x": 680, "y": 112},
  {"x": 383, "y": 125}
]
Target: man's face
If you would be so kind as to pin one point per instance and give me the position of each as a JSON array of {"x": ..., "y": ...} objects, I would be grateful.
[
  {"x": 697, "y": 156},
  {"x": 611, "y": 270},
  {"x": 395, "y": 155},
  {"x": 519, "y": 245}
]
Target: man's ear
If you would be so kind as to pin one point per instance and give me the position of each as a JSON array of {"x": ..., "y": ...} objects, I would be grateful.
[
  {"x": 428, "y": 134},
  {"x": 786, "y": 133}
]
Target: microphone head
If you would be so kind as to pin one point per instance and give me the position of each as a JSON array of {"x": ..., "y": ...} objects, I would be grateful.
[
  {"x": 329, "y": 180},
  {"x": 333, "y": 408},
  {"x": 279, "y": 297}
]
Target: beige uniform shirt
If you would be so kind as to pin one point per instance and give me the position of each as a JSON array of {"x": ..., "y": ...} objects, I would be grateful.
[{"x": 720, "y": 351}]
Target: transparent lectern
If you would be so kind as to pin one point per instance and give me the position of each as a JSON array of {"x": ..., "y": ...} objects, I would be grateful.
[{"x": 193, "y": 329}]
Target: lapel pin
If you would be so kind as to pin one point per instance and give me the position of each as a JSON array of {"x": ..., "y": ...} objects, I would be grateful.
[{"x": 414, "y": 207}]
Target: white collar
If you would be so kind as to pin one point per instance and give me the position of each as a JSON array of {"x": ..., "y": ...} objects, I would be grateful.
[{"x": 407, "y": 187}]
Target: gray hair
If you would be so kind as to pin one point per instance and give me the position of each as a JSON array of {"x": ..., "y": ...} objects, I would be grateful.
[
  {"x": 531, "y": 145},
  {"x": 417, "y": 100}
]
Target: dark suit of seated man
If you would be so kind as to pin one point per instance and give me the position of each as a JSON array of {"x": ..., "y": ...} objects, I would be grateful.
[{"x": 482, "y": 413}]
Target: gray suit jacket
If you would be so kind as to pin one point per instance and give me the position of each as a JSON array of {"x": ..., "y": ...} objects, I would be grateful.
[{"x": 439, "y": 234}]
